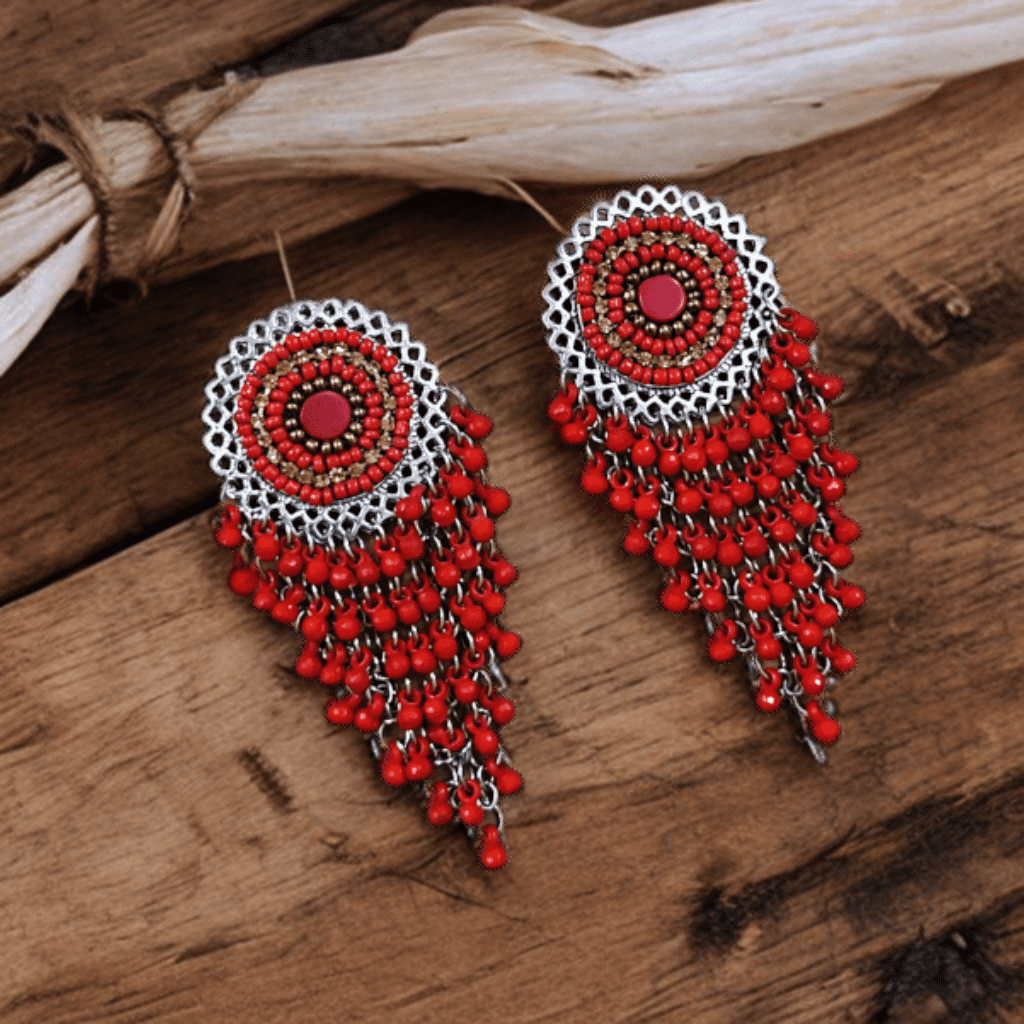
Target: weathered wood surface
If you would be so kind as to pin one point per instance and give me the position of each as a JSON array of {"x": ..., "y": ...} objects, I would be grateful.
[
  {"x": 109, "y": 55},
  {"x": 184, "y": 838}
]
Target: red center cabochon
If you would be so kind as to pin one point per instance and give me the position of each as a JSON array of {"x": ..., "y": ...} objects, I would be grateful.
[
  {"x": 325, "y": 415},
  {"x": 662, "y": 297}
]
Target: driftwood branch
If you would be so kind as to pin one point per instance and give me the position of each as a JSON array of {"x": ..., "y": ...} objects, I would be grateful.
[{"x": 482, "y": 99}]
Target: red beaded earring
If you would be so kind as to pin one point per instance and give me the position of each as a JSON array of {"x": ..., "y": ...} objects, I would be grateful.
[
  {"x": 355, "y": 499},
  {"x": 696, "y": 396}
]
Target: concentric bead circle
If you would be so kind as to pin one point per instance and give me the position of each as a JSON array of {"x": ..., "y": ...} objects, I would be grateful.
[
  {"x": 324, "y": 415},
  {"x": 661, "y": 300}
]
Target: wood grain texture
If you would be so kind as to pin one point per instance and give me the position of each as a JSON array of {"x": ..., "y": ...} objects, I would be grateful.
[
  {"x": 183, "y": 837},
  {"x": 175, "y": 802},
  {"x": 106, "y": 55},
  {"x": 115, "y": 54}
]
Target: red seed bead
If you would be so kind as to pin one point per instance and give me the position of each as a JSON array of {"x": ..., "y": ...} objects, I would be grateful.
[
  {"x": 768, "y": 698},
  {"x": 825, "y": 615},
  {"x": 391, "y": 768},
  {"x": 317, "y": 570},
  {"x": 754, "y": 544},
  {"x": 768, "y": 486},
  {"x": 560, "y": 408},
  {"x": 840, "y": 556},
  {"x": 368, "y": 718},
  {"x": 502, "y": 709},
  {"x": 391, "y": 563},
  {"x": 619, "y": 437},
  {"x": 729, "y": 553},
  {"x": 702, "y": 547},
  {"x": 265, "y": 596},
  {"x": 410, "y": 714},
  {"x": 666, "y": 552},
  {"x": 757, "y": 599},
  {"x": 284, "y": 612},
  {"x": 333, "y": 672},
  {"x": 781, "y": 378},
  {"x": 694, "y": 459},
  {"x": 467, "y": 557},
  {"x": 507, "y": 644},
  {"x": 826, "y": 730},
  {"x": 485, "y": 740},
  {"x": 829, "y": 386},
  {"x": 419, "y": 766},
  {"x": 831, "y": 487},
  {"x": 720, "y": 505},
  {"x": 818, "y": 423},
  {"x": 772, "y": 402},
  {"x": 759, "y": 426},
  {"x": 411, "y": 508},
  {"x": 457, "y": 484},
  {"x": 309, "y": 665},
  {"x": 813, "y": 682},
  {"x": 266, "y": 545},
  {"x": 339, "y": 712},
  {"x": 507, "y": 780},
  {"x": 670, "y": 463},
  {"x": 470, "y": 812},
  {"x": 842, "y": 659},
  {"x": 809, "y": 634},
  {"x": 741, "y": 492},
  {"x": 244, "y": 579},
  {"x": 846, "y": 531},
  {"x": 802, "y": 326},
  {"x": 643, "y": 452},
  {"x": 621, "y": 499},
  {"x": 802, "y": 513},
  {"x": 635, "y": 541},
  {"x": 497, "y": 500},
  {"x": 768, "y": 648},
  {"x": 721, "y": 648},
  {"x": 228, "y": 534},
  {"x": 442, "y": 511},
  {"x": 800, "y": 447},
  {"x": 845, "y": 463},
  {"x": 503, "y": 571},
  {"x": 314, "y": 628},
  {"x": 646, "y": 506},
  {"x": 481, "y": 527},
  {"x": 593, "y": 479},
  {"x": 738, "y": 438},
  {"x": 674, "y": 597},
  {"x": 717, "y": 451},
  {"x": 797, "y": 355},
  {"x": 492, "y": 852},
  {"x": 800, "y": 574}
]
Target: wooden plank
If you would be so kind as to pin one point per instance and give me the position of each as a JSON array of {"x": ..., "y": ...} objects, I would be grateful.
[
  {"x": 107, "y": 55},
  {"x": 906, "y": 274},
  {"x": 187, "y": 839},
  {"x": 115, "y": 54}
]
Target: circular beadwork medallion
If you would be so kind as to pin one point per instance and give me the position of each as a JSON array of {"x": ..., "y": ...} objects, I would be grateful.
[
  {"x": 328, "y": 411},
  {"x": 660, "y": 305},
  {"x": 661, "y": 299},
  {"x": 323, "y": 416}
]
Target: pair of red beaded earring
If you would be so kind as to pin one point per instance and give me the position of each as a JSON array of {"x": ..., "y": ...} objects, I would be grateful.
[{"x": 356, "y": 500}]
